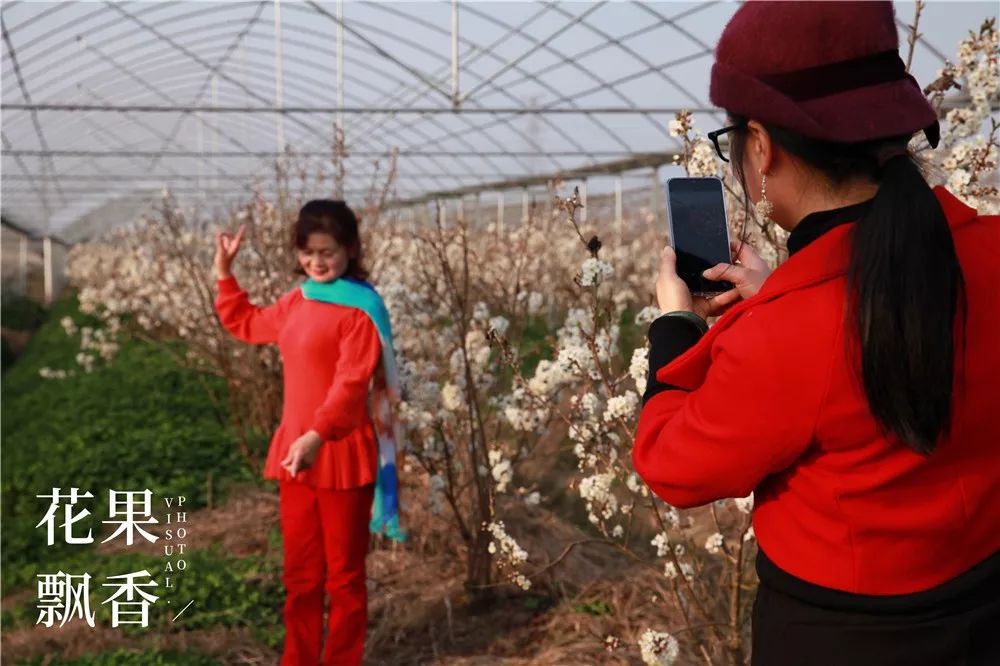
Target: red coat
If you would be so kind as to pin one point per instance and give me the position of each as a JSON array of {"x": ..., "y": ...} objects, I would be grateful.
[
  {"x": 772, "y": 408},
  {"x": 329, "y": 353}
]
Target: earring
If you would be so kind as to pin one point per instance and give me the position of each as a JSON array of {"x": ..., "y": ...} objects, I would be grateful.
[{"x": 764, "y": 207}]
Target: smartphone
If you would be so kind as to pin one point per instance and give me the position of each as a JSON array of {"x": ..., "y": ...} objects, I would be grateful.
[{"x": 699, "y": 231}]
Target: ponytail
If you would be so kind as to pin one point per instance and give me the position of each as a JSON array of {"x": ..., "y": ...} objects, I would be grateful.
[{"x": 904, "y": 283}]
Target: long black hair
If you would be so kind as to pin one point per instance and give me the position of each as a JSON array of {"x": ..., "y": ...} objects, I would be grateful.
[{"x": 904, "y": 282}]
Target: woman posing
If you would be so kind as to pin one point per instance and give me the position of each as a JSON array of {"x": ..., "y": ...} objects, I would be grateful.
[
  {"x": 854, "y": 389},
  {"x": 324, "y": 453}
]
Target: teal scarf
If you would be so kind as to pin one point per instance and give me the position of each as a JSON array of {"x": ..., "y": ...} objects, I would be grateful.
[{"x": 360, "y": 294}]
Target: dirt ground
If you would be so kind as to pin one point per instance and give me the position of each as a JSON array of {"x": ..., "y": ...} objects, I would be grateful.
[{"x": 420, "y": 611}]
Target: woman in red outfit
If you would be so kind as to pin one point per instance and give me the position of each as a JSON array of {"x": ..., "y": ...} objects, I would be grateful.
[
  {"x": 323, "y": 454},
  {"x": 854, "y": 389}
]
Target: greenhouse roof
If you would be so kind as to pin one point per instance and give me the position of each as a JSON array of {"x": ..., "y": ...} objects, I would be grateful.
[{"x": 106, "y": 103}]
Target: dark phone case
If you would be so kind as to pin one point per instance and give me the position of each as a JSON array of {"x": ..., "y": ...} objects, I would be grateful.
[{"x": 698, "y": 284}]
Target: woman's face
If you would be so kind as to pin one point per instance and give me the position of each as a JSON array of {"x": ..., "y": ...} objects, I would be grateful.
[{"x": 323, "y": 258}]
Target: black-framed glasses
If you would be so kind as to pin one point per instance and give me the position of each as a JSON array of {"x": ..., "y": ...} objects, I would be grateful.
[{"x": 714, "y": 137}]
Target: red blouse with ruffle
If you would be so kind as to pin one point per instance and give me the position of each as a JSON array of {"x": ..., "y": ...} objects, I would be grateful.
[{"x": 329, "y": 353}]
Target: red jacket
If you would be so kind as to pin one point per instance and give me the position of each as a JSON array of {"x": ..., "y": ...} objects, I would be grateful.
[
  {"x": 771, "y": 407},
  {"x": 329, "y": 353}
]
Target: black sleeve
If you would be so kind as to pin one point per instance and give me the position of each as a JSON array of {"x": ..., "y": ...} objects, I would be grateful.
[{"x": 669, "y": 337}]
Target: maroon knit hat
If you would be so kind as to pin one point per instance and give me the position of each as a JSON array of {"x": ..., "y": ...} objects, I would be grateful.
[{"x": 827, "y": 70}]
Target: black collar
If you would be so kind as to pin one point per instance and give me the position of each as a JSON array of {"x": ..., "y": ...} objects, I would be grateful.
[{"x": 814, "y": 225}]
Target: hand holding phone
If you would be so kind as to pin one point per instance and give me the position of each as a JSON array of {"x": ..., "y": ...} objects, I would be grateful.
[
  {"x": 672, "y": 294},
  {"x": 720, "y": 285},
  {"x": 748, "y": 275}
]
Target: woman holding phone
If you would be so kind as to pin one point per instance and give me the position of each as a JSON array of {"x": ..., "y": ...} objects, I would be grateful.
[
  {"x": 853, "y": 390},
  {"x": 330, "y": 334}
]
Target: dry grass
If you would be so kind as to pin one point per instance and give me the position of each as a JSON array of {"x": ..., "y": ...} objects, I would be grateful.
[
  {"x": 420, "y": 611},
  {"x": 239, "y": 527}
]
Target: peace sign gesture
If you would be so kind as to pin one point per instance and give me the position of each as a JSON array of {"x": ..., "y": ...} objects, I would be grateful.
[{"x": 226, "y": 247}]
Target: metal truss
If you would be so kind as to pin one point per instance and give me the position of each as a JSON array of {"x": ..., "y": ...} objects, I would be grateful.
[{"x": 113, "y": 100}]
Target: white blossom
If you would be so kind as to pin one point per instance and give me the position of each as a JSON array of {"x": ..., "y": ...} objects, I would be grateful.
[
  {"x": 596, "y": 492},
  {"x": 669, "y": 570},
  {"x": 68, "y": 325},
  {"x": 958, "y": 180},
  {"x": 638, "y": 368},
  {"x": 501, "y": 470},
  {"x": 451, "y": 397},
  {"x": 662, "y": 544},
  {"x": 594, "y": 271},
  {"x": 658, "y": 648},
  {"x": 647, "y": 315},
  {"x": 535, "y": 302},
  {"x": 481, "y": 312},
  {"x": 703, "y": 161},
  {"x": 621, "y": 406},
  {"x": 511, "y": 555},
  {"x": 499, "y": 324}
]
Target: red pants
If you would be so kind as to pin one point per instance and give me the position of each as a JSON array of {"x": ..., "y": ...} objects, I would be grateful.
[{"x": 325, "y": 534}]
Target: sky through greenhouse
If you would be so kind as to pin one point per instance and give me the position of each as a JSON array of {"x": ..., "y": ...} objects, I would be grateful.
[{"x": 105, "y": 103}]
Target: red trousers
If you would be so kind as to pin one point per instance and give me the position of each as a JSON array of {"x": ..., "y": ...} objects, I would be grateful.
[{"x": 325, "y": 534}]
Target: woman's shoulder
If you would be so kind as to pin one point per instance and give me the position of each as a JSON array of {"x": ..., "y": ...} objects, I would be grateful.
[
  {"x": 370, "y": 298},
  {"x": 343, "y": 313},
  {"x": 288, "y": 301},
  {"x": 796, "y": 324},
  {"x": 367, "y": 288},
  {"x": 292, "y": 295},
  {"x": 958, "y": 210}
]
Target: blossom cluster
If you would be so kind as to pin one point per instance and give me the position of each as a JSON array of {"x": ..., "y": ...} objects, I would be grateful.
[
  {"x": 967, "y": 157},
  {"x": 658, "y": 648},
  {"x": 510, "y": 555},
  {"x": 95, "y": 342}
]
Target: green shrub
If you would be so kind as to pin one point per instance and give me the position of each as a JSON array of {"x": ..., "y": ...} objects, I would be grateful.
[
  {"x": 19, "y": 312},
  {"x": 221, "y": 590},
  {"x": 6, "y": 355},
  {"x": 139, "y": 422}
]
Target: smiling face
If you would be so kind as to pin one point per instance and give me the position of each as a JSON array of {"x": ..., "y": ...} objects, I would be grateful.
[{"x": 323, "y": 258}]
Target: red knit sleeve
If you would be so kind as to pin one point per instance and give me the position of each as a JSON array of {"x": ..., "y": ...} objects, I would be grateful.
[
  {"x": 753, "y": 415},
  {"x": 246, "y": 321},
  {"x": 346, "y": 402}
]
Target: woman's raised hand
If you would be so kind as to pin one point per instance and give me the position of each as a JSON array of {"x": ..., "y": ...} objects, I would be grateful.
[{"x": 226, "y": 247}]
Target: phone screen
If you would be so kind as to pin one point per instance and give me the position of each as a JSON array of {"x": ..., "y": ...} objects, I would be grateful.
[{"x": 699, "y": 231}]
